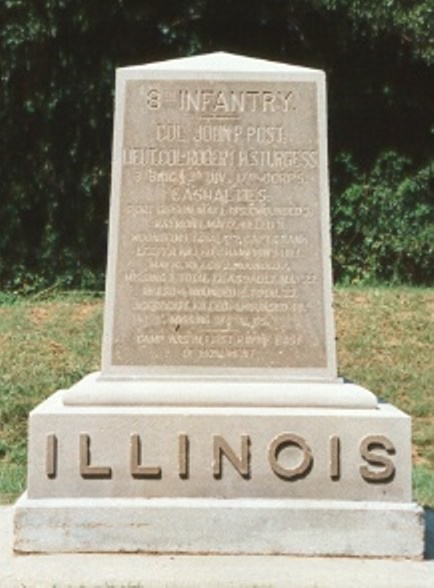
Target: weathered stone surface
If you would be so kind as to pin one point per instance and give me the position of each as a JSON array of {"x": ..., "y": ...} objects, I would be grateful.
[
  {"x": 245, "y": 526},
  {"x": 219, "y": 253}
]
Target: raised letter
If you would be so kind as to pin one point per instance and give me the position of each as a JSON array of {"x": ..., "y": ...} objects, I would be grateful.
[
  {"x": 183, "y": 455},
  {"x": 387, "y": 473},
  {"x": 241, "y": 464},
  {"x": 86, "y": 469},
  {"x": 335, "y": 457},
  {"x": 282, "y": 442},
  {"x": 136, "y": 469},
  {"x": 51, "y": 456}
]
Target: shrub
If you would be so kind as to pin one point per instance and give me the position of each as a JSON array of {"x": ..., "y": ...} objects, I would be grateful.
[{"x": 383, "y": 222}]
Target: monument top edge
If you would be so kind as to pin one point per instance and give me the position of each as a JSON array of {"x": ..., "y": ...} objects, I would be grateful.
[{"x": 221, "y": 62}]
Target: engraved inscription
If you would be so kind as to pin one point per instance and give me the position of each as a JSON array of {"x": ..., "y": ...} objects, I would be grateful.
[
  {"x": 289, "y": 457},
  {"x": 220, "y": 246},
  {"x": 218, "y": 101}
]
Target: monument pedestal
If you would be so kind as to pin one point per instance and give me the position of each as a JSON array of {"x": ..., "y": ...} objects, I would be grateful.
[{"x": 289, "y": 480}]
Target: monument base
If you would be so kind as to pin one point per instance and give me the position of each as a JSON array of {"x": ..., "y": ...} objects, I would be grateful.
[
  {"x": 238, "y": 526},
  {"x": 300, "y": 481}
]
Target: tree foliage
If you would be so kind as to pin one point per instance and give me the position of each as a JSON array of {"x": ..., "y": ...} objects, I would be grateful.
[
  {"x": 383, "y": 221},
  {"x": 58, "y": 61}
]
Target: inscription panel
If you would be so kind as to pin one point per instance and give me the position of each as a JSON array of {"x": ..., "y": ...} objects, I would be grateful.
[{"x": 220, "y": 254}]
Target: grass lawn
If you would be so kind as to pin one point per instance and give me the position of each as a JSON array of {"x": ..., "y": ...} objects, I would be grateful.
[{"x": 385, "y": 342}]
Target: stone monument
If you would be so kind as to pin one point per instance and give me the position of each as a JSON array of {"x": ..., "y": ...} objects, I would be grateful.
[{"x": 218, "y": 423}]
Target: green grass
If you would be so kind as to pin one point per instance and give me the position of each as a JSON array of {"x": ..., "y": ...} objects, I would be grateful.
[
  {"x": 44, "y": 345},
  {"x": 385, "y": 342}
]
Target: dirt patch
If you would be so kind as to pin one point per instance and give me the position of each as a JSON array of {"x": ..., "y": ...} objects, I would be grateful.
[
  {"x": 40, "y": 314},
  {"x": 417, "y": 459},
  {"x": 430, "y": 309},
  {"x": 427, "y": 420},
  {"x": 360, "y": 300},
  {"x": 84, "y": 311},
  {"x": 57, "y": 348}
]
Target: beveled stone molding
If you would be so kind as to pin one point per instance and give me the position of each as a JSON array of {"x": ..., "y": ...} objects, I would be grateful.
[{"x": 94, "y": 390}]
